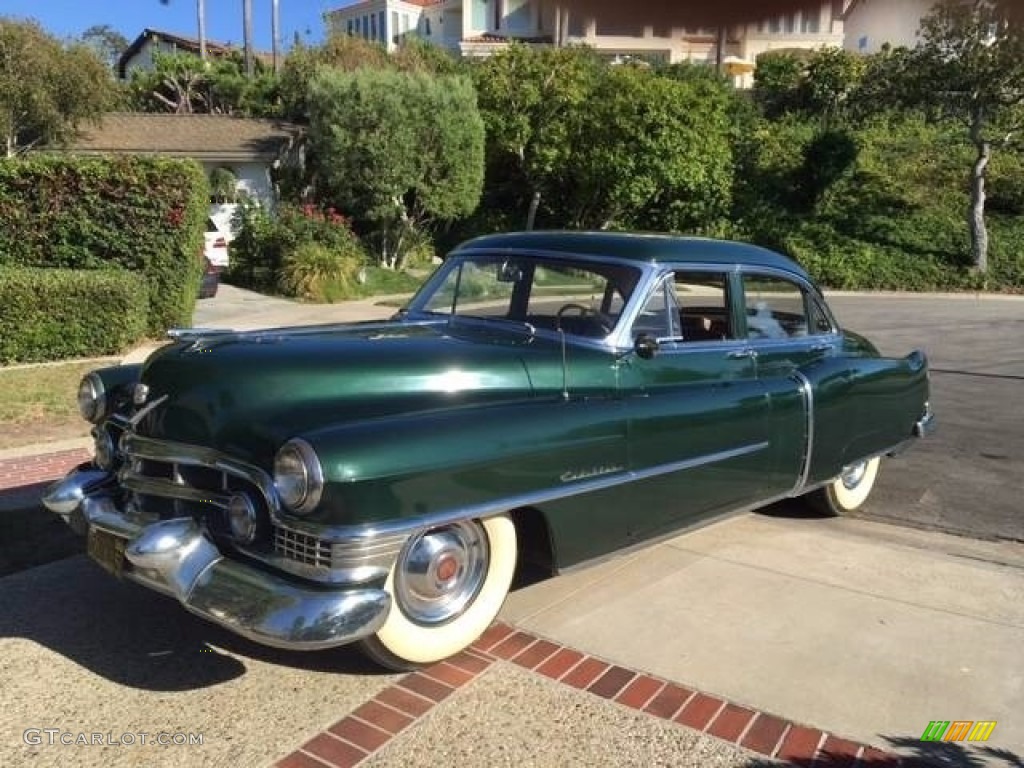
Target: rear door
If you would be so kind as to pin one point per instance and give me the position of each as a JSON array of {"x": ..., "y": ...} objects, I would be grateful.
[{"x": 800, "y": 361}]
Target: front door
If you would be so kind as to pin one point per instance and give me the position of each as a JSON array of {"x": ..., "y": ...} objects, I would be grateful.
[{"x": 697, "y": 413}]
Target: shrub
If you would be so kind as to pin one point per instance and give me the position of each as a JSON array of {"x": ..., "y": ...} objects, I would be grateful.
[
  {"x": 316, "y": 273},
  {"x": 50, "y": 314},
  {"x": 266, "y": 242},
  {"x": 142, "y": 214}
]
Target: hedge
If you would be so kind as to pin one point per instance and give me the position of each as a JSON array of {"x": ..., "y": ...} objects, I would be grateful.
[
  {"x": 51, "y": 314},
  {"x": 142, "y": 214}
]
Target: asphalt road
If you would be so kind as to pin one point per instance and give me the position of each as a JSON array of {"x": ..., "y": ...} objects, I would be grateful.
[{"x": 966, "y": 479}]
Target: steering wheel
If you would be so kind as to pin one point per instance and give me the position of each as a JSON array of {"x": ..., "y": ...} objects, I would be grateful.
[{"x": 602, "y": 321}]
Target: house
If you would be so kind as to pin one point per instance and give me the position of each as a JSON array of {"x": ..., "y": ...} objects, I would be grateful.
[
  {"x": 871, "y": 24},
  {"x": 481, "y": 27},
  {"x": 250, "y": 149},
  {"x": 139, "y": 55}
]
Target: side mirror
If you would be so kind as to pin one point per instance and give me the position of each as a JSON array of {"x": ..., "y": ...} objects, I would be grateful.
[{"x": 645, "y": 346}]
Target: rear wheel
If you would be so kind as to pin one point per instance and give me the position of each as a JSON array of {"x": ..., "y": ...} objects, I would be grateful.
[
  {"x": 446, "y": 588},
  {"x": 849, "y": 491}
]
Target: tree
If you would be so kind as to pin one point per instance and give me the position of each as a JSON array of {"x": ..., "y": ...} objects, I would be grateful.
[
  {"x": 185, "y": 84},
  {"x": 106, "y": 42},
  {"x": 968, "y": 67},
  {"x": 345, "y": 53},
  {"x": 650, "y": 151},
  {"x": 46, "y": 90},
  {"x": 397, "y": 151},
  {"x": 526, "y": 98}
]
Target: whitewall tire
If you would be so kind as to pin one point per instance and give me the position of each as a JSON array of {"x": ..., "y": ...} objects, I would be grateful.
[
  {"x": 850, "y": 490},
  {"x": 446, "y": 588}
]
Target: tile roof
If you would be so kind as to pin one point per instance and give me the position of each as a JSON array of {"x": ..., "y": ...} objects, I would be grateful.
[{"x": 204, "y": 137}]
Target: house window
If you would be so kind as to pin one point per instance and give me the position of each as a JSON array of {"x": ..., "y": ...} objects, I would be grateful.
[
  {"x": 810, "y": 20},
  {"x": 366, "y": 27},
  {"x": 381, "y": 26},
  {"x": 426, "y": 24},
  {"x": 394, "y": 26},
  {"x": 497, "y": 15},
  {"x": 405, "y": 23},
  {"x": 373, "y": 27}
]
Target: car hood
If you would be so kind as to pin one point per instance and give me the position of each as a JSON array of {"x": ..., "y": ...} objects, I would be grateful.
[{"x": 246, "y": 393}]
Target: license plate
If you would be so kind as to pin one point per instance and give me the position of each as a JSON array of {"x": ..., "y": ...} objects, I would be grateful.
[{"x": 106, "y": 549}]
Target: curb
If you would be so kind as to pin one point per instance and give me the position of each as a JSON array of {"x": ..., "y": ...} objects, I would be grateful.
[{"x": 372, "y": 725}]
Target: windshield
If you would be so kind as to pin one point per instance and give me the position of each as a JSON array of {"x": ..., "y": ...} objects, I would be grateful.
[{"x": 579, "y": 297}]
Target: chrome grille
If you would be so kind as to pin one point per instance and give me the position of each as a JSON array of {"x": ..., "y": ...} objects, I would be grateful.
[
  {"x": 355, "y": 558},
  {"x": 303, "y": 548}
]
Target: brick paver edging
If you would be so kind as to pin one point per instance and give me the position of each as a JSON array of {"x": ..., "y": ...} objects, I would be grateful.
[
  {"x": 29, "y": 470},
  {"x": 375, "y": 723}
]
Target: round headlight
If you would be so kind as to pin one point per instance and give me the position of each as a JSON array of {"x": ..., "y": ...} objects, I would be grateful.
[
  {"x": 242, "y": 518},
  {"x": 92, "y": 398},
  {"x": 298, "y": 477}
]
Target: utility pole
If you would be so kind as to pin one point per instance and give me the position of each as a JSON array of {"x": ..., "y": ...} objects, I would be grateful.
[
  {"x": 275, "y": 24},
  {"x": 247, "y": 36},
  {"x": 201, "y": 13}
]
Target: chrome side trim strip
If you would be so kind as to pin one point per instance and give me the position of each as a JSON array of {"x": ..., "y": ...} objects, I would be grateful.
[
  {"x": 498, "y": 506},
  {"x": 807, "y": 392}
]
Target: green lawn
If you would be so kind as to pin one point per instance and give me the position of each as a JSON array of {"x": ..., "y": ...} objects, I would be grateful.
[{"x": 37, "y": 403}]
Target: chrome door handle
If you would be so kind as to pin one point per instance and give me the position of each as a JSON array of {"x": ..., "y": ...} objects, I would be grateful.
[
  {"x": 823, "y": 347},
  {"x": 742, "y": 354}
]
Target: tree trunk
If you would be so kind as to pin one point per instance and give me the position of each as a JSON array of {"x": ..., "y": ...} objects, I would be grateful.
[
  {"x": 976, "y": 215},
  {"x": 531, "y": 216}
]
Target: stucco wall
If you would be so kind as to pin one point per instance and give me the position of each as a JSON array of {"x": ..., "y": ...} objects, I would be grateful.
[{"x": 872, "y": 23}]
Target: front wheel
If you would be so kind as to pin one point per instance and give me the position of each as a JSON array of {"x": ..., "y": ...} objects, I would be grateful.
[
  {"x": 446, "y": 588},
  {"x": 849, "y": 491}
]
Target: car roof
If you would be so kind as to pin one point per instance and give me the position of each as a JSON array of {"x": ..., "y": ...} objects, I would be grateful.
[{"x": 638, "y": 247}]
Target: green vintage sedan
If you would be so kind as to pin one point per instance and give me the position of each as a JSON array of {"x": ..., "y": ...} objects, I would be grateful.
[{"x": 546, "y": 398}]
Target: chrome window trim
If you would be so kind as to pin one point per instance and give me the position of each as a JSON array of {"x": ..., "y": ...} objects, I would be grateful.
[{"x": 805, "y": 285}]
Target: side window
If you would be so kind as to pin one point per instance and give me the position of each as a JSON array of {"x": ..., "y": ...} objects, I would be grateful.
[
  {"x": 703, "y": 299},
  {"x": 779, "y": 309},
  {"x": 687, "y": 307}
]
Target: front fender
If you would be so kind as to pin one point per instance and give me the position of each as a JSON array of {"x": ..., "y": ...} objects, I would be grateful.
[{"x": 432, "y": 463}]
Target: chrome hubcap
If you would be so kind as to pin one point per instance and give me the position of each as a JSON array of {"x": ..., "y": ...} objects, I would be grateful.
[
  {"x": 440, "y": 571},
  {"x": 852, "y": 476}
]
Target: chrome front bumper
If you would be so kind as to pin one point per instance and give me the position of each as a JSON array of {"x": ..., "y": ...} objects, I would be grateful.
[{"x": 176, "y": 557}]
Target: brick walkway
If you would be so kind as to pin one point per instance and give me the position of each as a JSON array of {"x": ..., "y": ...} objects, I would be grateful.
[
  {"x": 371, "y": 726},
  {"x": 29, "y": 470}
]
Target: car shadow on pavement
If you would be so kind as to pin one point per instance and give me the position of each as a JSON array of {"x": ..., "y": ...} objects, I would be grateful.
[
  {"x": 913, "y": 753},
  {"x": 135, "y": 637}
]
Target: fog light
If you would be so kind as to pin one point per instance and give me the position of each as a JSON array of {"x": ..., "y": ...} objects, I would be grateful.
[
  {"x": 103, "y": 445},
  {"x": 242, "y": 518},
  {"x": 139, "y": 393}
]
